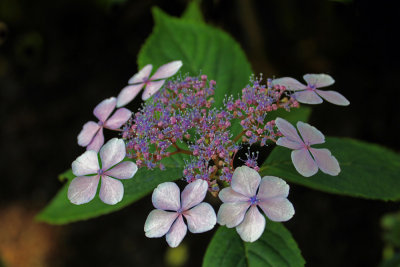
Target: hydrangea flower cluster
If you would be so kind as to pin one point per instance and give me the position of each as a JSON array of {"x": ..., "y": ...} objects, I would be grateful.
[{"x": 178, "y": 117}]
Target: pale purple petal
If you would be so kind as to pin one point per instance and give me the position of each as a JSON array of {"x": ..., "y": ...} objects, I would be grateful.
[
  {"x": 201, "y": 218},
  {"x": 82, "y": 189},
  {"x": 277, "y": 209},
  {"x": 307, "y": 97},
  {"x": 193, "y": 194},
  {"x": 85, "y": 164},
  {"x": 124, "y": 170},
  {"x": 104, "y": 108},
  {"x": 252, "y": 226},
  {"x": 142, "y": 75},
  {"x": 304, "y": 163},
  {"x": 87, "y": 133},
  {"x": 245, "y": 181},
  {"x": 325, "y": 161},
  {"x": 167, "y": 70},
  {"x": 288, "y": 130},
  {"x": 310, "y": 134},
  {"x": 272, "y": 187},
  {"x": 333, "y": 97},
  {"x": 97, "y": 141},
  {"x": 151, "y": 89},
  {"x": 232, "y": 214},
  {"x": 128, "y": 93},
  {"x": 111, "y": 190},
  {"x": 177, "y": 232},
  {"x": 286, "y": 142},
  {"x": 120, "y": 116},
  {"x": 290, "y": 83},
  {"x": 229, "y": 195},
  {"x": 318, "y": 80},
  {"x": 166, "y": 196},
  {"x": 112, "y": 153},
  {"x": 159, "y": 222}
]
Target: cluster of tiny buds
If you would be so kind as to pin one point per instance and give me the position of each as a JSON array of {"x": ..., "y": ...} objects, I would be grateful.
[{"x": 180, "y": 119}]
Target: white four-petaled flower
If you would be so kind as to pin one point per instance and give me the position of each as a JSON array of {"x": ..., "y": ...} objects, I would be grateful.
[
  {"x": 92, "y": 133},
  {"x": 83, "y": 188},
  {"x": 171, "y": 207},
  {"x": 248, "y": 191},
  {"x": 142, "y": 78},
  {"x": 309, "y": 94},
  {"x": 306, "y": 159}
]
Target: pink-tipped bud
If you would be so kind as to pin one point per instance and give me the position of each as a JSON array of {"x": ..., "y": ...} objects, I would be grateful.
[
  {"x": 204, "y": 77},
  {"x": 172, "y": 120},
  {"x": 248, "y": 133}
]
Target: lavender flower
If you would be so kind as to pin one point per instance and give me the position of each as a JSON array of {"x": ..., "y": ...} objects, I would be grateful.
[
  {"x": 305, "y": 163},
  {"x": 309, "y": 94},
  {"x": 83, "y": 188},
  {"x": 248, "y": 191},
  {"x": 92, "y": 133},
  {"x": 167, "y": 218},
  {"x": 153, "y": 83}
]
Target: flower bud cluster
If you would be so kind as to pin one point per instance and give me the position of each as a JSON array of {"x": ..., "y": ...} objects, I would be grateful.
[{"x": 180, "y": 119}]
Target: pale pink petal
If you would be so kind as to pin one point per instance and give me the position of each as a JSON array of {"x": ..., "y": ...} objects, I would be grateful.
[
  {"x": 112, "y": 153},
  {"x": 142, "y": 75},
  {"x": 318, "y": 80},
  {"x": 193, "y": 194},
  {"x": 103, "y": 110},
  {"x": 159, "y": 222},
  {"x": 85, "y": 164},
  {"x": 177, "y": 232},
  {"x": 277, "y": 209},
  {"x": 128, "y": 93},
  {"x": 82, "y": 189},
  {"x": 307, "y": 97},
  {"x": 310, "y": 134},
  {"x": 245, "y": 181},
  {"x": 111, "y": 190},
  {"x": 97, "y": 141},
  {"x": 333, "y": 97},
  {"x": 167, "y": 70},
  {"x": 229, "y": 195},
  {"x": 272, "y": 187},
  {"x": 87, "y": 133},
  {"x": 288, "y": 130},
  {"x": 120, "y": 116},
  {"x": 124, "y": 170},
  {"x": 151, "y": 89},
  {"x": 252, "y": 226},
  {"x": 286, "y": 142},
  {"x": 304, "y": 163},
  {"x": 166, "y": 196},
  {"x": 201, "y": 218},
  {"x": 290, "y": 83},
  {"x": 325, "y": 161},
  {"x": 231, "y": 214}
]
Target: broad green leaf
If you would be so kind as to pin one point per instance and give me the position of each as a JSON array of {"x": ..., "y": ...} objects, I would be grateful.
[
  {"x": 202, "y": 49},
  {"x": 367, "y": 170},
  {"x": 276, "y": 247},
  {"x": 193, "y": 12},
  {"x": 61, "y": 211}
]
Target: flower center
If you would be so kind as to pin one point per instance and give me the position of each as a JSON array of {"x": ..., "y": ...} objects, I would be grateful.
[
  {"x": 100, "y": 123},
  {"x": 100, "y": 172},
  {"x": 254, "y": 200},
  {"x": 179, "y": 211},
  {"x": 311, "y": 87}
]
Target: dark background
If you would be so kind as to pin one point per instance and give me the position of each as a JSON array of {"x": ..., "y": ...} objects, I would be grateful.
[{"x": 58, "y": 59}]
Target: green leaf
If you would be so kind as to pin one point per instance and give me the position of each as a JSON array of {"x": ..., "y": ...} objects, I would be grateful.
[
  {"x": 193, "y": 12},
  {"x": 201, "y": 48},
  {"x": 61, "y": 211},
  {"x": 276, "y": 247},
  {"x": 367, "y": 170}
]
